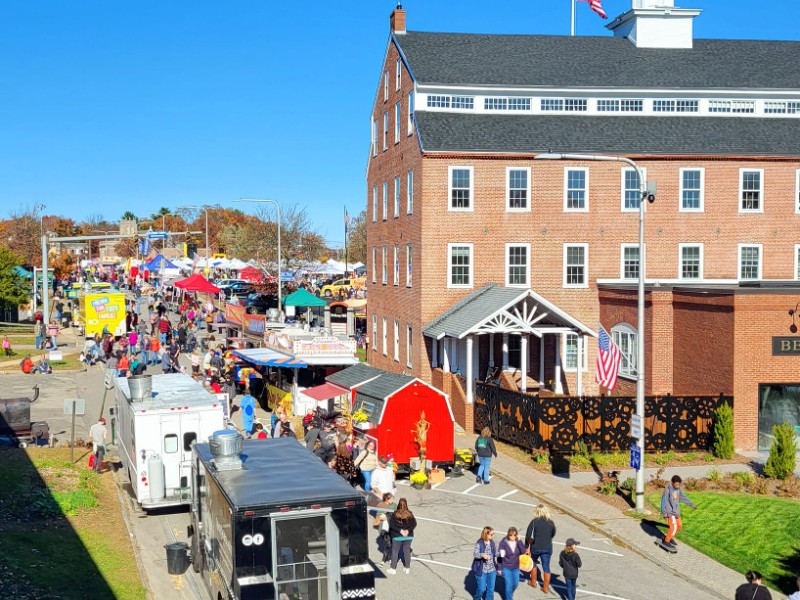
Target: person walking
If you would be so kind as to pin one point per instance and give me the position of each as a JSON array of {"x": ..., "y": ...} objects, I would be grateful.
[
  {"x": 570, "y": 562},
  {"x": 671, "y": 509},
  {"x": 39, "y": 332},
  {"x": 485, "y": 556},
  {"x": 248, "y": 408},
  {"x": 367, "y": 461},
  {"x": 486, "y": 449},
  {"x": 753, "y": 589},
  {"x": 539, "y": 538},
  {"x": 382, "y": 480},
  {"x": 510, "y": 549},
  {"x": 381, "y": 521},
  {"x": 401, "y": 529},
  {"x": 6, "y": 346},
  {"x": 99, "y": 434}
]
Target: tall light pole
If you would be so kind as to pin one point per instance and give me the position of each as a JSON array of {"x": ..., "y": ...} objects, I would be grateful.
[
  {"x": 204, "y": 209},
  {"x": 45, "y": 282},
  {"x": 640, "y": 304},
  {"x": 278, "y": 209}
]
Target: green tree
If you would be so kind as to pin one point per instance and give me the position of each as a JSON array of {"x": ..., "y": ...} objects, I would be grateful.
[
  {"x": 723, "y": 433},
  {"x": 13, "y": 286},
  {"x": 128, "y": 216},
  {"x": 782, "y": 453}
]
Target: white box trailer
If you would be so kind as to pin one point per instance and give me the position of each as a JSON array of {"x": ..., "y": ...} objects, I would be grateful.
[{"x": 156, "y": 422}]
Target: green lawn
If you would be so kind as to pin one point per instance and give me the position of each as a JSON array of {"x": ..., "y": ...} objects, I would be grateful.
[{"x": 744, "y": 532}]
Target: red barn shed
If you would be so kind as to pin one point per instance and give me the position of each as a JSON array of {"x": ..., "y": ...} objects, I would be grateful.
[{"x": 393, "y": 404}]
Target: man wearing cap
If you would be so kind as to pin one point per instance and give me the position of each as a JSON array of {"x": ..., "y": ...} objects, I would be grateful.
[
  {"x": 99, "y": 434},
  {"x": 382, "y": 481}
]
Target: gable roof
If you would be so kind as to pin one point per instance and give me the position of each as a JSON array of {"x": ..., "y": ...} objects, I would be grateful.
[
  {"x": 604, "y": 62},
  {"x": 528, "y": 134},
  {"x": 354, "y": 376},
  {"x": 384, "y": 386}
]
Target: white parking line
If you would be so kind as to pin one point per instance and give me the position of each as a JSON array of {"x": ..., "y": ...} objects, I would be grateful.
[
  {"x": 507, "y": 494},
  {"x": 484, "y": 497},
  {"x": 585, "y": 591},
  {"x": 593, "y": 549},
  {"x": 466, "y": 491},
  {"x": 449, "y": 523},
  {"x": 436, "y": 562}
]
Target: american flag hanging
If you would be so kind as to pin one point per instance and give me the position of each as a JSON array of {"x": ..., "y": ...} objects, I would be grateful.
[
  {"x": 608, "y": 359},
  {"x": 596, "y": 6},
  {"x": 346, "y": 221}
]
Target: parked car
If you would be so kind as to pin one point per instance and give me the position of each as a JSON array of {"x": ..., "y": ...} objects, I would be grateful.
[
  {"x": 332, "y": 289},
  {"x": 225, "y": 283},
  {"x": 260, "y": 303},
  {"x": 240, "y": 288}
]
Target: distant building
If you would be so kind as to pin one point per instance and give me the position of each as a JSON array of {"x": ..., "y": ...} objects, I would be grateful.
[{"x": 456, "y": 201}]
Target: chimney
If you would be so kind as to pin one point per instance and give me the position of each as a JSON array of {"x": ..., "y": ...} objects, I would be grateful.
[
  {"x": 656, "y": 24},
  {"x": 397, "y": 20}
]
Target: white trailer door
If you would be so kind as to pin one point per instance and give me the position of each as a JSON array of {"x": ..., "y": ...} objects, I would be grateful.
[
  {"x": 171, "y": 451},
  {"x": 190, "y": 433}
]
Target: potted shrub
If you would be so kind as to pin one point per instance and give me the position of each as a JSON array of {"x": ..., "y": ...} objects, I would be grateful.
[{"x": 418, "y": 479}]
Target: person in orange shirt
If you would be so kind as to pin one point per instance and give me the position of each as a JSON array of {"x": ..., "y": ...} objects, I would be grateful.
[
  {"x": 27, "y": 365},
  {"x": 123, "y": 364},
  {"x": 155, "y": 350}
]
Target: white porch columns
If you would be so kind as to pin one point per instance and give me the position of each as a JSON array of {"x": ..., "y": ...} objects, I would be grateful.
[
  {"x": 523, "y": 362},
  {"x": 579, "y": 371},
  {"x": 434, "y": 353},
  {"x": 491, "y": 350},
  {"x": 541, "y": 361},
  {"x": 505, "y": 352},
  {"x": 446, "y": 355},
  {"x": 469, "y": 376},
  {"x": 559, "y": 389}
]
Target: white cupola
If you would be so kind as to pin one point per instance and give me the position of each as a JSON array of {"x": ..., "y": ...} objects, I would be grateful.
[{"x": 656, "y": 24}]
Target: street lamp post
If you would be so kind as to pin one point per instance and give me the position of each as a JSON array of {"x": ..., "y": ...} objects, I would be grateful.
[
  {"x": 45, "y": 282},
  {"x": 204, "y": 209},
  {"x": 278, "y": 209},
  {"x": 640, "y": 303}
]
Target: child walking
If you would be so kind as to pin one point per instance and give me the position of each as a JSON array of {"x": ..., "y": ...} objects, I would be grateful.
[
  {"x": 570, "y": 562},
  {"x": 6, "y": 346}
]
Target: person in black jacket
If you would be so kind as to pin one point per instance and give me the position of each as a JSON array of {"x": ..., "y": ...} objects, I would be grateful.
[
  {"x": 570, "y": 562},
  {"x": 486, "y": 449},
  {"x": 401, "y": 529},
  {"x": 539, "y": 538},
  {"x": 753, "y": 589}
]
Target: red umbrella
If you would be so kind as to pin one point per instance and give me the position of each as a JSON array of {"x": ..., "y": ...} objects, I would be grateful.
[{"x": 197, "y": 283}]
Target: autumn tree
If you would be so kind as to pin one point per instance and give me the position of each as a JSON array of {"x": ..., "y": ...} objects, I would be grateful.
[
  {"x": 13, "y": 286},
  {"x": 357, "y": 238},
  {"x": 62, "y": 263}
]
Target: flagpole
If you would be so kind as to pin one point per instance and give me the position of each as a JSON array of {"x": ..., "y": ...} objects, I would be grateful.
[
  {"x": 572, "y": 20},
  {"x": 345, "y": 242}
]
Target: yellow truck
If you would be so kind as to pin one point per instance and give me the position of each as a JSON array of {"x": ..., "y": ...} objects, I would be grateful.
[{"x": 102, "y": 311}]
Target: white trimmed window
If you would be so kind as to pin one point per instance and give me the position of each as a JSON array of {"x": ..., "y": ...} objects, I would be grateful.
[
  {"x": 518, "y": 188},
  {"x": 385, "y": 131},
  {"x": 397, "y": 196},
  {"x": 571, "y": 352},
  {"x": 518, "y": 265},
  {"x": 410, "y": 125},
  {"x": 631, "y": 194},
  {"x": 409, "y": 346},
  {"x": 797, "y": 261},
  {"x": 385, "y": 336},
  {"x": 374, "y": 333},
  {"x": 576, "y": 189},
  {"x": 410, "y": 192},
  {"x": 398, "y": 76},
  {"x": 629, "y": 261},
  {"x": 396, "y": 340},
  {"x": 397, "y": 113},
  {"x": 751, "y": 190},
  {"x": 374, "y": 203},
  {"x": 385, "y": 200},
  {"x": 576, "y": 261},
  {"x": 690, "y": 261},
  {"x": 383, "y": 265},
  {"x": 396, "y": 264},
  {"x": 459, "y": 265},
  {"x": 374, "y": 264},
  {"x": 385, "y": 86},
  {"x": 374, "y": 137},
  {"x": 626, "y": 339},
  {"x": 692, "y": 184},
  {"x": 749, "y": 261},
  {"x": 459, "y": 188},
  {"x": 797, "y": 192},
  {"x": 409, "y": 265}
]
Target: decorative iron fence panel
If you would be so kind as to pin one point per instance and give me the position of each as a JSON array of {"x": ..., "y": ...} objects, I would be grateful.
[{"x": 557, "y": 423}]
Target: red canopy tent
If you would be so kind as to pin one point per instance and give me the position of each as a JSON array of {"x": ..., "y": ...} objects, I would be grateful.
[
  {"x": 253, "y": 274},
  {"x": 197, "y": 283}
]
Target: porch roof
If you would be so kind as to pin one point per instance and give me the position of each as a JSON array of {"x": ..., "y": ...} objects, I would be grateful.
[{"x": 498, "y": 309}]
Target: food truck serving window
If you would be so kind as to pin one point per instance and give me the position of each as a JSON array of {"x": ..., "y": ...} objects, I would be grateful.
[{"x": 189, "y": 438}]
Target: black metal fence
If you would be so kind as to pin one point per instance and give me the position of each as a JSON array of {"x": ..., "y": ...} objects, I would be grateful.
[{"x": 557, "y": 423}]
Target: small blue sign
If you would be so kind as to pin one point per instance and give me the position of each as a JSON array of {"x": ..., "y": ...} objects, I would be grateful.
[
  {"x": 636, "y": 458},
  {"x": 157, "y": 235}
]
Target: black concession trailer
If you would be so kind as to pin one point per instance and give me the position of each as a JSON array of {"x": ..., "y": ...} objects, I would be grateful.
[{"x": 270, "y": 521}]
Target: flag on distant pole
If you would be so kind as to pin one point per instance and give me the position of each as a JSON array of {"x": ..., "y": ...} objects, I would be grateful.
[
  {"x": 596, "y": 6},
  {"x": 346, "y": 221},
  {"x": 608, "y": 359}
]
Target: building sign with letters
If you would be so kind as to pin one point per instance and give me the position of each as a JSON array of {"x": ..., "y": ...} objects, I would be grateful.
[{"x": 785, "y": 345}]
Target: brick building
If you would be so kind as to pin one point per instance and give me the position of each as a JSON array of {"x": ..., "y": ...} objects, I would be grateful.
[{"x": 482, "y": 256}]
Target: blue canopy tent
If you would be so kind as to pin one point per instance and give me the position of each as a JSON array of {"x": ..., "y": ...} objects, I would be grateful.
[{"x": 159, "y": 263}]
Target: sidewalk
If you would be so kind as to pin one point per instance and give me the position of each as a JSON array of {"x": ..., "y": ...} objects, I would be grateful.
[
  {"x": 68, "y": 344},
  {"x": 637, "y": 536}
]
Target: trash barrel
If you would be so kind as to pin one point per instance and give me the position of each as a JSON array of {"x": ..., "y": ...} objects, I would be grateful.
[{"x": 177, "y": 558}]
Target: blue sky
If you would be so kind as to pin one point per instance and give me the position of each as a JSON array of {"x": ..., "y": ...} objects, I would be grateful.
[{"x": 110, "y": 106}]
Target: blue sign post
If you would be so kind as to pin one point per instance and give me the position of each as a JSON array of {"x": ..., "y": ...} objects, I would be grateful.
[
  {"x": 636, "y": 458},
  {"x": 157, "y": 235}
]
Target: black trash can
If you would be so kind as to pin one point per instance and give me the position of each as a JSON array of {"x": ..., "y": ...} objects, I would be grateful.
[{"x": 177, "y": 558}]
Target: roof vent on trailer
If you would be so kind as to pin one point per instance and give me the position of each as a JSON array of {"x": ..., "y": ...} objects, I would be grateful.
[{"x": 226, "y": 448}]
